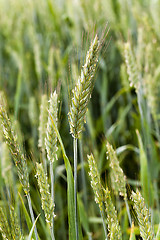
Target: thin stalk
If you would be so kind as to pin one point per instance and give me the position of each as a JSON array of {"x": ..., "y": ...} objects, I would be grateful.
[
  {"x": 157, "y": 131},
  {"x": 32, "y": 215},
  {"x": 52, "y": 233},
  {"x": 75, "y": 186},
  {"x": 128, "y": 213},
  {"x": 83, "y": 175},
  {"x": 52, "y": 196},
  {"x": 104, "y": 225}
]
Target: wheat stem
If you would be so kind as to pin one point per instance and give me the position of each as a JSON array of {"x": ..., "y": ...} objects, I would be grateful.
[
  {"x": 104, "y": 225},
  {"x": 128, "y": 212},
  {"x": 32, "y": 215},
  {"x": 52, "y": 195},
  {"x": 83, "y": 174},
  {"x": 75, "y": 186},
  {"x": 52, "y": 233}
]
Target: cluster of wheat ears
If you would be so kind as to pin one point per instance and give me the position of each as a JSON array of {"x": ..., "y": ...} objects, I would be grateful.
[{"x": 50, "y": 141}]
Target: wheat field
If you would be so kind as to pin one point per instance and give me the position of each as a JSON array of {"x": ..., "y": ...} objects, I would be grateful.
[{"x": 80, "y": 119}]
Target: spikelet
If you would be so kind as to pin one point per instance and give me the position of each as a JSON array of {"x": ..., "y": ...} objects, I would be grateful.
[
  {"x": 112, "y": 220},
  {"x": 16, "y": 150},
  {"x": 145, "y": 226},
  {"x": 4, "y": 227},
  {"x": 15, "y": 228},
  {"x": 132, "y": 68},
  {"x": 83, "y": 89},
  {"x": 95, "y": 181},
  {"x": 43, "y": 121},
  {"x": 47, "y": 202},
  {"x": 118, "y": 178},
  {"x": 51, "y": 136}
]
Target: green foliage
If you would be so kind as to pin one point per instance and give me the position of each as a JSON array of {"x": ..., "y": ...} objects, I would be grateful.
[{"x": 43, "y": 50}]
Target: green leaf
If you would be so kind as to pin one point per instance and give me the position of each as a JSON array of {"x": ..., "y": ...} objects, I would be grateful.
[
  {"x": 27, "y": 217},
  {"x": 70, "y": 191},
  {"x": 83, "y": 216},
  {"x": 144, "y": 173},
  {"x": 32, "y": 229}
]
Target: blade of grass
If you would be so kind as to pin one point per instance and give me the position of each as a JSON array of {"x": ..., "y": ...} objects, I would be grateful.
[
  {"x": 70, "y": 191},
  {"x": 32, "y": 229},
  {"x": 144, "y": 173},
  {"x": 27, "y": 217}
]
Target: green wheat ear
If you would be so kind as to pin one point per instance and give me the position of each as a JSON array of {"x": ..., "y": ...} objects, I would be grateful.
[
  {"x": 97, "y": 188},
  {"x": 4, "y": 227},
  {"x": 15, "y": 227},
  {"x": 47, "y": 201},
  {"x": 83, "y": 89},
  {"x": 132, "y": 68},
  {"x": 112, "y": 219},
  {"x": 145, "y": 226},
  {"x": 118, "y": 178},
  {"x": 51, "y": 136},
  {"x": 15, "y": 149},
  {"x": 95, "y": 181}
]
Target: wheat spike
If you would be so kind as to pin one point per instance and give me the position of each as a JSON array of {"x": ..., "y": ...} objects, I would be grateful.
[
  {"x": 47, "y": 201},
  {"x": 51, "y": 136},
  {"x": 4, "y": 227},
  {"x": 6, "y": 164},
  {"x": 95, "y": 181},
  {"x": 132, "y": 68},
  {"x": 15, "y": 228},
  {"x": 145, "y": 226},
  {"x": 112, "y": 219},
  {"x": 118, "y": 178},
  {"x": 16, "y": 150},
  {"x": 83, "y": 89}
]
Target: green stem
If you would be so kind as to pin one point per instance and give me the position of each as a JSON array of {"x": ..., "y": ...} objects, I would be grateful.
[
  {"x": 104, "y": 225},
  {"x": 83, "y": 174},
  {"x": 128, "y": 212},
  {"x": 32, "y": 215},
  {"x": 52, "y": 195},
  {"x": 75, "y": 186},
  {"x": 52, "y": 233}
]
